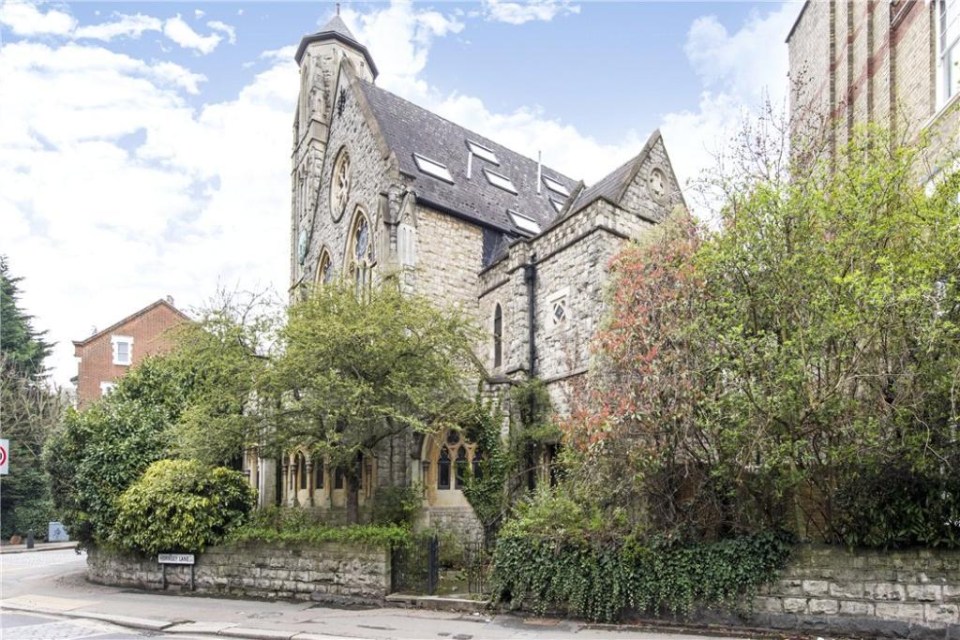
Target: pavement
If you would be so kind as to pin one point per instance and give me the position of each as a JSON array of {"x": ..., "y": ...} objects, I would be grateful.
[
  {"x": 39, "y": 546},
  {"x": 60, "y": 589}
]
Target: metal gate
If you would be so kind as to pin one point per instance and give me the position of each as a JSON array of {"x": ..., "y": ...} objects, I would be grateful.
[{"x": 415, "y": 568}]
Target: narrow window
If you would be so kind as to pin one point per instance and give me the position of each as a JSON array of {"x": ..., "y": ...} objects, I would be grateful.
[
  {"x": 443, "y": 469},
  {"x": 338, "y": 478},
  {"x": 324, "y": 268},
  {"x": 461, "y": 469},
  {"x": 361, "y": 253},
  {"x": 497, "y": 336},
  {"x": 318, "y": 470},
  {"x": 302, "y": 470}
]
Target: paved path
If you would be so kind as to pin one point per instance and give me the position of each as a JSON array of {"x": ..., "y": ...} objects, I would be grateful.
[{"x": 54, "y": 584}]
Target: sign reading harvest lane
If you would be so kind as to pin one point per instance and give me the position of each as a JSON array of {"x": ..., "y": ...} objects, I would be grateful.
[{"x": 175, "y": 558}]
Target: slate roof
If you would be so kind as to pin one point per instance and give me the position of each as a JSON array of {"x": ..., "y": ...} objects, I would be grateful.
[
  {"x": 409, "y": 129},
  {"x": 613, "y": 186},
  {"x": 336, "y": 29}
]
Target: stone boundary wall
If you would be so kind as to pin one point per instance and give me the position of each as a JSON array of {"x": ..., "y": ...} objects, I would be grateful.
[
  {"x": 911, "y": 594},
  {"x": 327, "y": 572}
]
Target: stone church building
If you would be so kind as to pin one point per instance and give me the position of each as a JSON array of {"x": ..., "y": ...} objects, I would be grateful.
[{"x": 384, "y": 188}]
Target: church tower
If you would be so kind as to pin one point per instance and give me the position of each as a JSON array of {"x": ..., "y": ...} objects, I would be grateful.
[{"x": 319, "y": 56}]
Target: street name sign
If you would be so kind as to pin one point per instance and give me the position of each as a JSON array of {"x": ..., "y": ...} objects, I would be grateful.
[{"x": 175, "y": 558}]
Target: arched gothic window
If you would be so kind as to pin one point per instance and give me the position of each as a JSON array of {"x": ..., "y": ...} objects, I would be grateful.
[
  {"x": 302, "y": 470},
  {"x": 324, "y": 268},
  {"x": 497, "y": 336},
  {"x": 443, "y": 469},
  {"x": 361, "y": 252},
  {"x": 455, "y": 460}
]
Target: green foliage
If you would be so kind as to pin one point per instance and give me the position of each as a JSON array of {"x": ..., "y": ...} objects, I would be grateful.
[
  {"x": 24, "y": 349},
  {"x": 29, "y": 410},
  {"x": 396, "y": 505},
  {"x": 96, "y": 455},
  {"x": 751, "y": 375},
  {"x": 357, "y": 371},
  {"x": 180, "y": 506},
  {"x": 296, "y": 526},
  {"x": 893, "y": 505},
  {"x": 487, "y": 491},
  {"x": 604, "y": 582}
]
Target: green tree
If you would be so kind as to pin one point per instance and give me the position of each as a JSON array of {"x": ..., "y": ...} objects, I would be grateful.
[
  {"x": 767, "y": 373},
  {"x": 30, "y": 409},
  {"x": 355, "y": 372}
]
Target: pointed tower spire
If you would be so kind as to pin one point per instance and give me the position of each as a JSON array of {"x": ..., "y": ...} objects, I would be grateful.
[{"x": 336, "y": 29}]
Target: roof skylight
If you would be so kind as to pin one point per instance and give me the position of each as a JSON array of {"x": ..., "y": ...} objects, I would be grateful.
[
  {"x": 498, "y": 180},
  {"x": 556, "y": 187},
  {"x": 482, "y": 152},
  {"x": 432, "y": 168},
  {"x": 523, "y": 222}
]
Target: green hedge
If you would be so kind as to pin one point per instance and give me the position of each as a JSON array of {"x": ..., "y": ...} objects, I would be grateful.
[
  {"x": 296, "y": 526},
  {"x": 605, "y": 582}
]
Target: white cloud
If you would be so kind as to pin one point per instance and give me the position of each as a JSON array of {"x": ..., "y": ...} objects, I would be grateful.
[
  {"x": 180, "y": 32},
  {"x": 117, "y": 192},
  {"x": 738, "y": 71},
  {"x": 400, "y": 37},
  {"x": 225, "y": 28},
  {"x": 523, "y": 12},
  {"x": 25, "y": 19},
  {"x": 198, "y": 13},
  {"x": 125, "y": 25}
]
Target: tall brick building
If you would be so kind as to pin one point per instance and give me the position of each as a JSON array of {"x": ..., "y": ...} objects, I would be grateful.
[
  {"x": 891, "y": 62},
  {"x": 383, "y": 187},
  {"x": 107, "y": 355}
]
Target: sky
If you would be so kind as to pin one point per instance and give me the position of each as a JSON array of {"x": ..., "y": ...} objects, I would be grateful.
[{"x": 145, "y": 146}]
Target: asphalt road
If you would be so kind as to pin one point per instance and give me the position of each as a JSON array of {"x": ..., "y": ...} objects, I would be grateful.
[{"x": 45, "y": 595}]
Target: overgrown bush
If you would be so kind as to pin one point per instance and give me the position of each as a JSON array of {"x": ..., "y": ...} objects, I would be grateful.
[
  {"x": 95, "y": 455},
  {"x": 396, "y": 505},
  {"x": 297, "y": 526},
  {"x": 894, "y": 505},
  {"x": 605, "y": 581},
  {"x": 773, "y": 371},
  {"x": 181, "y": 506}
]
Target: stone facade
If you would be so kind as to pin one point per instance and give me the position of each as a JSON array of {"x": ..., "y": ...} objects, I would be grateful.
[
  {"x": 326, "y": 572},
  {"x": 909, "y": 594},
  {"x": 385, "y": 189},
  {"x": 144, "y": 333},
  {"x": 853, "y": 63}
]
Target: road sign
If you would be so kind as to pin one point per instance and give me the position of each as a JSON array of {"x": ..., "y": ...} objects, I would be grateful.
[
  {"x": 175, "y": 558},
  {"x": 4, "y": 457}
]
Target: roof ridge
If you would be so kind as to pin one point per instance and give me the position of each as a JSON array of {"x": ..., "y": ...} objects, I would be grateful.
[
  {"x": 132, "y": 316},
  {"x": 460, "y": 126}
]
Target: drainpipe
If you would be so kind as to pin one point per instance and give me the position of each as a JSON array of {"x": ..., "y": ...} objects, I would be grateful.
[{"x": 530, "y": 278}]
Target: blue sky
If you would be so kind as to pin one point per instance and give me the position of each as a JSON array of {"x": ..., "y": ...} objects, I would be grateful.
[{"x": 144, "y": 146}]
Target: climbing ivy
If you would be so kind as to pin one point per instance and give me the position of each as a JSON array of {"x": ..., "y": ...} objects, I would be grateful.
[{"x": 605, "y": 581}]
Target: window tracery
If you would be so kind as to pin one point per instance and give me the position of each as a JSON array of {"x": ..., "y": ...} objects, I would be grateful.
[{"x": 361, "y": 252}]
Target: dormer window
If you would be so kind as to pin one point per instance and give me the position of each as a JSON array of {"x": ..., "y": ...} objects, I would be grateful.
[
  {"x": 556, "y": 187},
  {"x": 482, "y": 152},
  {"x": 433, "y": 168},
  {"x": 524, "y": 223},
  {"x": 501, "y": 181}
]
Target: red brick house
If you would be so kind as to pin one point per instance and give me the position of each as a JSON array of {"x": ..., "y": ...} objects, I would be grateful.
[{"x": 107, "y": 355}]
